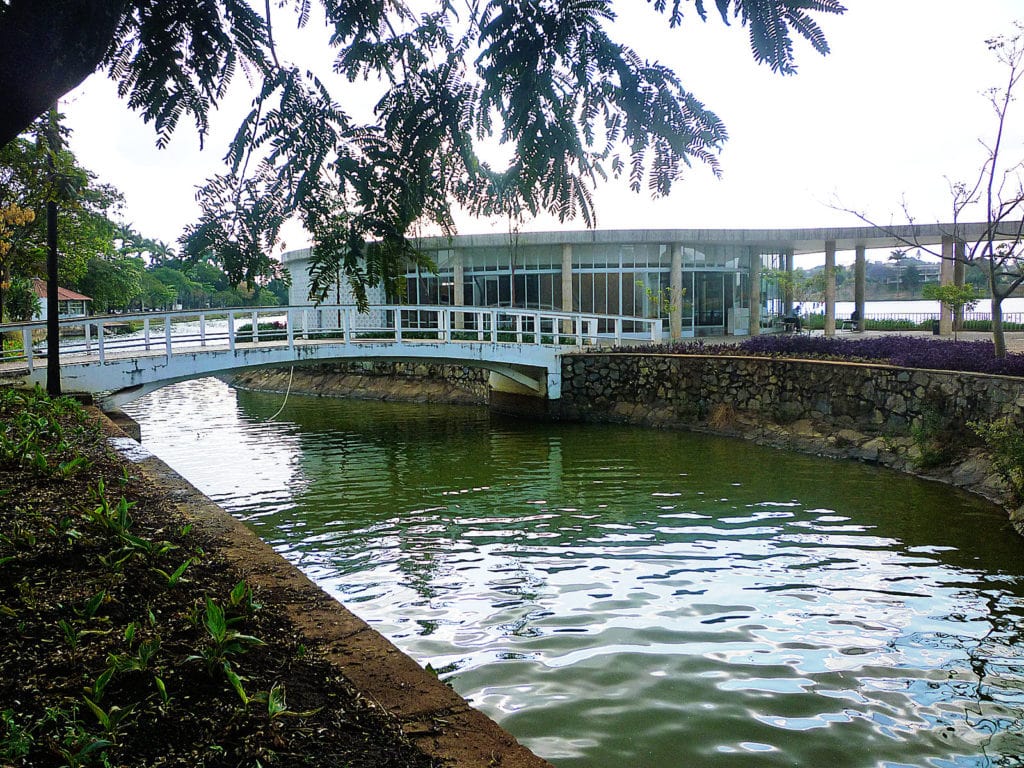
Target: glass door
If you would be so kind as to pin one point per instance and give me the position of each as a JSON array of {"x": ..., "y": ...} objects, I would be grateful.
[{"x": 709, "y": 302}]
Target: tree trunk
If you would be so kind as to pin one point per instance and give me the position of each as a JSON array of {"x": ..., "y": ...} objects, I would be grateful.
[
  {"x": 47, "y": 48},
  {"x": 998, "y": 336}
]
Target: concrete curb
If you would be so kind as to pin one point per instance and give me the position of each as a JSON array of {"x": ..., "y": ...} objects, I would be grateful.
[{"x": 435, "y": 718}]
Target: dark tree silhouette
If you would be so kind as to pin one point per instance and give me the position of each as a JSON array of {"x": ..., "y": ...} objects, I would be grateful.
[{"x": 544, "y": 77}]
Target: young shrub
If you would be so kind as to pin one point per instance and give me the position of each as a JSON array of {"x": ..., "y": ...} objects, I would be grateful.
[
  {"x": 1005, "y": 442},
  {"x": 935, "y": 438}
]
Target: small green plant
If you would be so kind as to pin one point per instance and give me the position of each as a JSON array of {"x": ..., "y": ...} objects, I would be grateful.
[
  {"x": 241, "y": 598},
  {"x": 222, "y": 641},
  {"x": 1005, "y": 443},
  {"x": 139, "y": 658},
  {"x": 955, "y": 298},
  {"x": 65, "y": 527},
  {"x": 75, "y": 744},
  {"x": 277, "y": 705},
  {"x": 114, "y": 519},
  {"x": 934, "y": 437},
  {"x": 66, "y": 469},
  {"x": 663, "y": 300},
  {"x": 110, "y": 719},
  {"x": 73, "y": 636},
  {"x": 16, "y": 740},
  {"x": 176, "y": 575},
  {"x": 92, "y": 605}
]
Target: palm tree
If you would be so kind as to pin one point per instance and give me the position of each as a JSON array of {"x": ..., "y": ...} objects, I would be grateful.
[{"x": 898, "y": 256}]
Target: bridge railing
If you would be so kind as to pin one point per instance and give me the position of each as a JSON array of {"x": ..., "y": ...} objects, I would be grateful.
[{"x": 103, "y": 337}]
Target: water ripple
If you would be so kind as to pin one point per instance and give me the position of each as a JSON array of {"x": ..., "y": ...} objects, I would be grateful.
[{"x": 623, "y": 597}]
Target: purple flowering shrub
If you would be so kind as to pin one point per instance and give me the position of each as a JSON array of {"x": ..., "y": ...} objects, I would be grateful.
[{"x": 903, "y": 351}]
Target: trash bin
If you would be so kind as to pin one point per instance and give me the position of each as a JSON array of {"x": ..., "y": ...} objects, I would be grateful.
[{"x": 935, "y": 327}]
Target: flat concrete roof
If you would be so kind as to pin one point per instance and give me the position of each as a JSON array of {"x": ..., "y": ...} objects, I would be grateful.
[{"x": 801, "y": 241}]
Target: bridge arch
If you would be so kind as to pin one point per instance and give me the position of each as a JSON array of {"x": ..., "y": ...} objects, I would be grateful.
[{"x": 522, "y": 349}]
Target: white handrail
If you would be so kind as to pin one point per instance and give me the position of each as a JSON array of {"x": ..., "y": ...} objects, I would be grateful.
[{"x": 101, "y": 337}]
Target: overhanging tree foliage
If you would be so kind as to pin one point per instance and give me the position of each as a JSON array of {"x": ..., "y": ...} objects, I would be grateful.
[{"x": 543, "y": 77}]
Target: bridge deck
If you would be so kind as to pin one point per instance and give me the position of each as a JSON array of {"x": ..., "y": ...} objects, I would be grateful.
[{"x": 522, "y": 345}]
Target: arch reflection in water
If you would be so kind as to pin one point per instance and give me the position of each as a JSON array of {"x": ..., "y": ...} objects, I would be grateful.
[{"x": 619, "y": 596}]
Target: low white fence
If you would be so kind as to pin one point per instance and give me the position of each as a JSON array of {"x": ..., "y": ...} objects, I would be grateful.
[{"x": 146, "y": 334}]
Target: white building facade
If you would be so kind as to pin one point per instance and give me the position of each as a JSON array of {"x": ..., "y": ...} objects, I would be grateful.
[{"x": 699, "y": 282}]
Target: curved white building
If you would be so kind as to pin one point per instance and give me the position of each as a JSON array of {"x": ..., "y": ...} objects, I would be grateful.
[{"x": 700, "y": 281}]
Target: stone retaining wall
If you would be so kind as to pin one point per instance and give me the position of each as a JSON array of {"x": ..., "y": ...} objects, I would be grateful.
[
  {"x": 374, "y": 380},
  {"x": 874, "y": 399}
]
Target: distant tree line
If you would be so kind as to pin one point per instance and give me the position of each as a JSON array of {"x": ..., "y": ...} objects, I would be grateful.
[
  {"x": 900, "y": 276},
  {"x": 100, "y": 255}
]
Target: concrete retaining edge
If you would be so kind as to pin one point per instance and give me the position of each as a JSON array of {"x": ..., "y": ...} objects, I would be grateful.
[{"x": 435, "y": 718}]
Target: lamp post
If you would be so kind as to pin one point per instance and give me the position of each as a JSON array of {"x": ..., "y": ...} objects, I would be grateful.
[{"x": 52, "y": 300}]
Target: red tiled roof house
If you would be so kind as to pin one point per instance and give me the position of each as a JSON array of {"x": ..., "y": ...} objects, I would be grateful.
[{"x": 69, "y": 303}]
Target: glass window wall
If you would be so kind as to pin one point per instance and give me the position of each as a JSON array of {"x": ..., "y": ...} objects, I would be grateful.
[{"x": 632, "y": 280}]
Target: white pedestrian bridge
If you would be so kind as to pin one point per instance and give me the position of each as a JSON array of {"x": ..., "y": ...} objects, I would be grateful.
[{"x": 122, "y": 357}]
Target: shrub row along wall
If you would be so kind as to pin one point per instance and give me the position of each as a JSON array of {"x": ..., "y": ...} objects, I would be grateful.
[
  {"x": 373, "y": 380},
  {"x": 872, "y": 399}
]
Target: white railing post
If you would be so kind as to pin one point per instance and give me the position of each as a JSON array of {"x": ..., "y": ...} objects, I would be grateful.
[
  {"x": 289, "y": 330},
  {"x": 618, "y": 331},
  {"x": 167, "y": 336},
  {"x": 444, "y": 324},
  {"x": 99, "y": 341},
  {"x": 305, "y": 324},
  {"x": 398, "y": 325},
  {"x": 88, "y": 340},
  {"x": 578, "y": 327},
  {"x": 494, "y": 326},
  {"x": 519, "y": 329},
  {"x": 202, "y": 330},
  {"x": 255, "y": 328},
  {"x": 231, "y": 331},
  {"x": 656, "y": 330},
  {"x": 346, "y": 327},
  {"x": 145, "y": 332},
  {"x": 26, "y": 345},
  {"x": 592, "y": 330}
]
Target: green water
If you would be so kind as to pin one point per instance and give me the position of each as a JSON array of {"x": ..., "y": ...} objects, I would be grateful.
[{"x": 625, "y": 597}]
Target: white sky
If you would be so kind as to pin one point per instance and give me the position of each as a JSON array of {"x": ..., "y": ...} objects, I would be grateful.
[{"x": 894, "y": 110}]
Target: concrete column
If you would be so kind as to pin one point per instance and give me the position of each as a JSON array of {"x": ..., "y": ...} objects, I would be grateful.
[
  {"x": 566, "y": 285},
  {"x": 830, "y": 287},
  {"x": 947, "y": 271},
  {"x": 755, "y": 292},
  {"x": 459, "y": 287},
  {"x": 860, "y": 271},
  {"x": 787, "y": 297},
  {"x": 675, "y": 315}
]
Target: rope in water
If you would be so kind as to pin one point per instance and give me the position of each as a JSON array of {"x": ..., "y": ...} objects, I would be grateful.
[{"x": 286, "y": 393}]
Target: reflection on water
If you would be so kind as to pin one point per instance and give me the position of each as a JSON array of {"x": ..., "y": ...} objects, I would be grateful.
[{"x": 622, "y": 597}]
